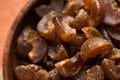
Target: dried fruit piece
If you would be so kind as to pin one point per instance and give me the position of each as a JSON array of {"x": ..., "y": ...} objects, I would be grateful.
[
  {"x": 91, "y": 32},
  {"x": 81, "y": 20},
  {"x": 72, "y": 7},
  {"x": 57, "y": 52},
  {"x": 112, "y": 15},
  {"x": 26, "y": 72},
  {"x": 97, "y": 11},
  {"x": 95, "y": 73},
  {"x": 23, "y": 47},
  {"x": 46, "y": 27},
  {"x": 63, "y": 29},
  {"x": 94, "y": 46},
  {"x": 39, "y": 46},
  {"x": 42, "y": 75},
  {"x": 69, "y": 67},
  {"x": 110, "y": 69}
]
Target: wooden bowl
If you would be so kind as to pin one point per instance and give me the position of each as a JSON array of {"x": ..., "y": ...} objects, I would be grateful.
[{"x": 26, "y": 17}]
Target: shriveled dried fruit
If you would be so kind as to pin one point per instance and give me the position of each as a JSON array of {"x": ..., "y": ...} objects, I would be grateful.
[
  {"x": 26, "y": 72},
  {"x": 63, "y": 29},
  {"x": 57, "y": 52},
  {"x": 55, "y": 75},
  {"x": 23, "y": 47},
  {"x": 72, "y": 7},
  {"x": 39, "y": 46},
  {"x": 95, "y": 73},
  {"x": 91, "y": 32},
  {"x": 81, "y": 20},
  {"x": 46, "y": 27},
  {"x": 112, "y": 15},
  {"x": 97, "y": 11},
  {"x": 70, "y": 67},
  {"x": 42, "y": 75},
  {"x": 110, "y": 69},
  {"x": 94, "y": 46}
]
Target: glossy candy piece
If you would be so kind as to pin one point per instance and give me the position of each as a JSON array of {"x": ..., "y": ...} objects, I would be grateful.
[
  {"x": 95, "y": 73},
  {"x": 81, "y": 20},
  {"x": 63, "y": 29},
  {"x": 110, "y": 69},
  {"x": 23, "y": 47},
  {"x": 69, "y": 67},
  {"x": 41, "y": 75},
  {"x": 57, "y": 52},
  {"x": 94, "y": 46},
  {"x": 97, "y": 11},
  {"x": 39, "y": 46},
  {"x": 46, "y": 27}
]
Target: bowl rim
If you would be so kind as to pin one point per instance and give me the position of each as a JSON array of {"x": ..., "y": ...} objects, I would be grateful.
[{"x": 10, "y": 35}]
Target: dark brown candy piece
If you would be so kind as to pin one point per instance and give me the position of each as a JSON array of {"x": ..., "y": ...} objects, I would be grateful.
[
  {"x": 97, "y": 11},
  {"x": 81, "y": 20},
  {"x": 70, "y": 67},
  {"x": 55, "y": 75},
  {"x": 110, "y": 69},
  {"x": 42, "y": 75},
  {"x": 55, "y": 5},
  {"x": 112, "y": 15},
  {"x": 63, "y": 29},
  {"x": 57, "y": 52},
  {"x": 114, "y": 33},
  {"x": 26, "y": 72},
  {"x": 95, "y": 73},
  {"x": 23, "y": 47},
  {"x": 39, "y": 46},
  {"x": 46, "y": 27},
  {"x": 94, "y": 46}
]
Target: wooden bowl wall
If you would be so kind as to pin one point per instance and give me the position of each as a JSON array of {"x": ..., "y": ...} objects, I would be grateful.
[{"x": 26, "y": 17}]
